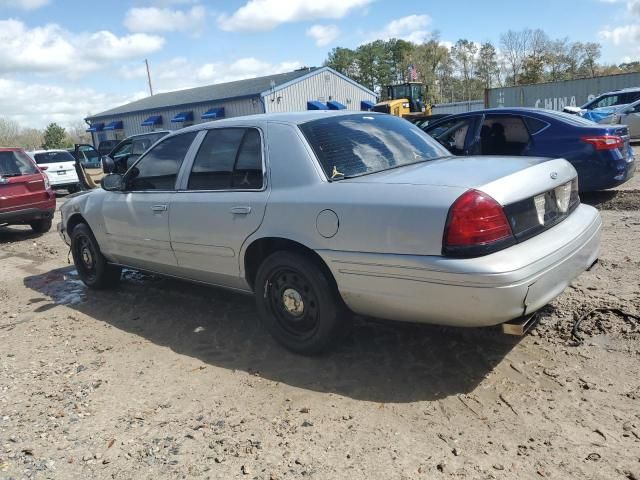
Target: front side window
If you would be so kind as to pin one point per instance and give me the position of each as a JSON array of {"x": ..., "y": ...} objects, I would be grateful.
[
  {"x": 607, "y": 101},
  {"x": 452, "y": 134},
  {"x": 353, "y": 145},
  {"x": 158, "y": 169},
  {"x": 89, "y": 154},
  {"x": 14, "y": 164},
  {"x": 122, "y": 150},
  {"x": 229, "y": 158}
]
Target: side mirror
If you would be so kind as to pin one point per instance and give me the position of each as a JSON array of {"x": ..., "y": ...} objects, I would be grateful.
[
  {"x": 113, "y": 182},
  {"x": 108, "y": 164}
]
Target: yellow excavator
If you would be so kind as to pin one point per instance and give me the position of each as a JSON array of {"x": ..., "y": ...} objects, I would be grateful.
[{"x": 404, "y": 100}]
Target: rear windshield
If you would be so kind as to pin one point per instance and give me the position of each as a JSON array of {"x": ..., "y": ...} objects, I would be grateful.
[
  {"x": 574, "y": 120},
  {"x": 14, "y": 164},
  {"x": 53, "y": 157},
  {"x": 353, "y": 145}
]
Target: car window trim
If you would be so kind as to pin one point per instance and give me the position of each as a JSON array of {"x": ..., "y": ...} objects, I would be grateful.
[
  {"x": 166, "y": 137},
  {"x": 546, "y": 125},
  {"x": 183, "y": 185}
]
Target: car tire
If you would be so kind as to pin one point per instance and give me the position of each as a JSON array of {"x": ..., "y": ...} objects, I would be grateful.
[
  {"x": 73, "y": 188},
  {"x": 91, "y": 265},
  {"x": 42, "y": 225},
  {"x": 299, "y": 303}
]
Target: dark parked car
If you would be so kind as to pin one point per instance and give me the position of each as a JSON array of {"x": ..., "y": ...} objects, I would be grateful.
[
  {"x": 423, "y": 121},
  {"x": 105, "y": 146},
  {"x": 128, "y": 150},
  {"x": 26, "y": 197},
  {"x": 601, "y": 154}
]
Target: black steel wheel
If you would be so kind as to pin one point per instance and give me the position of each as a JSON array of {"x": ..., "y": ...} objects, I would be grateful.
[
  {"x": 91, "y": 265},
  {"x": 299, "y": 303}
]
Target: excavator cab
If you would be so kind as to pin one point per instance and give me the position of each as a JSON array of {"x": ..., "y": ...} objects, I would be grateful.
[{"x": 403, "y": 100}]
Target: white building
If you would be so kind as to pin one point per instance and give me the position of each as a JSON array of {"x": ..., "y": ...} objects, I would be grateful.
[{"x": 304, "y": 89}]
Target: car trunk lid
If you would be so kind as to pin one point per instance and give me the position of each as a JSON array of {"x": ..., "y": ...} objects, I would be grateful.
[
  {"x": 535, "y": 193},
  {"x": 506, "y": 179},
  {"x": 18, "y": 192}
]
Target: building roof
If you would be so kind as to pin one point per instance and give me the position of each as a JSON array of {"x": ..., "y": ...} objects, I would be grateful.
[{"x": 209, "y": 93}]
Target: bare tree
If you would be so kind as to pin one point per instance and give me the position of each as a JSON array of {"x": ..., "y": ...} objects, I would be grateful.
[
  {"x": 514, "y": 46},
  {"x": 592, "y": 52},
  {"x": 9, "y": 130}
]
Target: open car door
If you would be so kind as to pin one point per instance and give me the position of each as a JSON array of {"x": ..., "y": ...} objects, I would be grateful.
[{"x": 86, "y": 157}]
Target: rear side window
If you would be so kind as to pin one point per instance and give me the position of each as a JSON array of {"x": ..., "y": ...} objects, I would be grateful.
[
  {"x": 158, "y": 170},
  {"x": 630, "y": 97},
  {"x": 53, "y": 157},
  {"x": 353, "y": 145},
  {"x": 229, "y": 158},
  {"x": 503, "y": 135},
  {"x": 534, "y": 125},
  {"x": 13, "y": 164}
]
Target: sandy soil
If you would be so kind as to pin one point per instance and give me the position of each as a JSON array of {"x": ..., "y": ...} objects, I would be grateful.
[{"x": 163, "y": 379}]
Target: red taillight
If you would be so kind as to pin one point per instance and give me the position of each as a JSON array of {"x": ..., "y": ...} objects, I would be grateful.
[
  {"x": 604, "y": 142},
  {"x": 476, "y": 221},
  {"x": 42, "y": 168}
]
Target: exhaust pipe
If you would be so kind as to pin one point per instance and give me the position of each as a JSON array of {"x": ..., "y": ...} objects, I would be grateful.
[{"x": 520, "y": 326}]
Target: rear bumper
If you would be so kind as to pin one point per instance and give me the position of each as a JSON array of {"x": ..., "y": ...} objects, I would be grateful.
[
  {"x": 471, "y": 292},
  {"x": 26, "y": 215},
  {"x": 618, "y": 171},
  {"x": 63, "y": 182}
]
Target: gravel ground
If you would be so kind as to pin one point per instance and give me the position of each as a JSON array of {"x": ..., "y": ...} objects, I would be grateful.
[{"x": 163, "y": 379}]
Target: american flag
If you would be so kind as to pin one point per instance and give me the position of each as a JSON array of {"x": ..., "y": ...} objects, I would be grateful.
[{"x": 413, "y": 73}]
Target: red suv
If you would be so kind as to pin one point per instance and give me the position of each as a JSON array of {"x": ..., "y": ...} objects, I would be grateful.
[{"x": 26, "y": 197}]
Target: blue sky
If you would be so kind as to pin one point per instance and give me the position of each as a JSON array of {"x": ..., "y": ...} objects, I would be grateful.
[{"x": 63, "y": 59}]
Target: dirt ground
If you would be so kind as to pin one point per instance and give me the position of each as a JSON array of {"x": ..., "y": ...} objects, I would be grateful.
[{"x": 163, "y": 379}]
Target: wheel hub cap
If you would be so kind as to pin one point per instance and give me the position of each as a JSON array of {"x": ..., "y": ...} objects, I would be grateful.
[
  {"x": 293, "y": 302},
  {"x": 87, "y": 258}
]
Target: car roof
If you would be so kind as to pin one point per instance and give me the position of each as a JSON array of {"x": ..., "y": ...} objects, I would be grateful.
[
  {"x": 294, "y": 118},
  {"x": 628, "y": 89},
  {"x": 11, "y": 149},
  {"x": 155, "y": 132}
]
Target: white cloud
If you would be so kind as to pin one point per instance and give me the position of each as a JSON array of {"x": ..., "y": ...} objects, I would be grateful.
[
  {"x": 323, "y": 34},
  {"x": 261, "y": 15},
  {"x": 51, "y": 49},
  {"x": 36, "y": 105},
  {"x": 626, "y": 39},
  {"x": 24, "y": 4},
  {"x": 153, "y": 19},
  {"x": 412, "y": 28},
  {"x": 634, "y": 7},
  {"x": 180, "y": 73}
]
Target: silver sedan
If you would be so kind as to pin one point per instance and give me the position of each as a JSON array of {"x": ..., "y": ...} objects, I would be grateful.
[{"x": 322, "y": 214}]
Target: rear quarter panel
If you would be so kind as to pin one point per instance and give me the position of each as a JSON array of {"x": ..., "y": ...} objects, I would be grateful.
[{"x": 386, "y": 218}]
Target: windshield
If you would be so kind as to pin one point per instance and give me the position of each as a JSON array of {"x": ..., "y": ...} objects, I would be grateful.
[
  {"x": 53, "y": 157},
  {"x": 353, "y": 145},
  {"x": 16, "y": 163}
]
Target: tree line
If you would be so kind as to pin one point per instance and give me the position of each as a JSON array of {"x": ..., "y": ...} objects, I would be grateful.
[
  {"x": 464, "y": 70},
  {"x": 53, "y": 136}
]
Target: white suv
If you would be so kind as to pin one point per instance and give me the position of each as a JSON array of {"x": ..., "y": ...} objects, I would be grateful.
[{"x": 60, "y": 167}]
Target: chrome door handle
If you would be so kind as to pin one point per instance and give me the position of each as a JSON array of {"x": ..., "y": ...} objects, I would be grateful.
[
  {"x": 240, "y": 210},
  {"x": 159, "y": 208}
]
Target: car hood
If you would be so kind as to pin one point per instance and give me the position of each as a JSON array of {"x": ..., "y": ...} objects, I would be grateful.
[{"x": 465, "y": 172}]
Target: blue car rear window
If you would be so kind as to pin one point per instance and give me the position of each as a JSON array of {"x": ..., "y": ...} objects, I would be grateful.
[
  {"x": 574, "y": 120},
  {"x": 353, "y": 145}
]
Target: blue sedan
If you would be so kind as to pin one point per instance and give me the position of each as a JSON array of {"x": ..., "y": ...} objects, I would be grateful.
[{"x": 601, "y": 154}]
